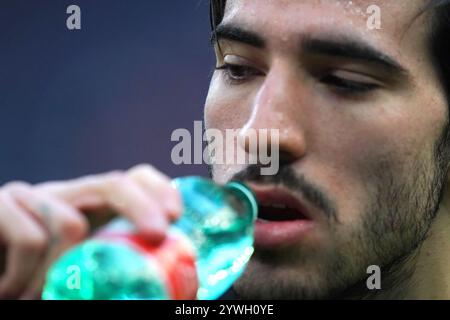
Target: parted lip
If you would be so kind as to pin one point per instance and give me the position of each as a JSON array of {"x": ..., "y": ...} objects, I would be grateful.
[
  {"x": 279, "y": 196},
  {"x": 292, "y": 222}
]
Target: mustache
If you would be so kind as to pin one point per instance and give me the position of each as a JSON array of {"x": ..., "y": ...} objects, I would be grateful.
[{"x": 288, "y": 178}]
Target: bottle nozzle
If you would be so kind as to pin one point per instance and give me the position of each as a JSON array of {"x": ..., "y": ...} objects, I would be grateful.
[{"x": 245, "y": 193}]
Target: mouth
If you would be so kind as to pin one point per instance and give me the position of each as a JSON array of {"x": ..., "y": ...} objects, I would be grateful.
[
  {"x": 279, "y": 210},
  {"x": 283, "y": 218}
]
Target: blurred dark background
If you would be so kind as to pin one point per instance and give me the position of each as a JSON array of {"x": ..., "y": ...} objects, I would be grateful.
[{"x": 105, "y": 97}]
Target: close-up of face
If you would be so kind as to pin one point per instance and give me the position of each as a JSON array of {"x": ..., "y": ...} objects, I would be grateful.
[{"x": 362, "y": 118}]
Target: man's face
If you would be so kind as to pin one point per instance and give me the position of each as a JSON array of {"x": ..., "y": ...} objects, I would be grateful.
[{"x": 360, "y": 114}]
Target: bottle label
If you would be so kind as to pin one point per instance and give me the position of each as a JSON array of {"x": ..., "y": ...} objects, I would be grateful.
[{"x": 175, "y": 258}]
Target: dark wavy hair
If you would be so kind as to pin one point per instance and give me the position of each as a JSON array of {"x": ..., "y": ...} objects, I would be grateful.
[{"x": 439, "y": 41}]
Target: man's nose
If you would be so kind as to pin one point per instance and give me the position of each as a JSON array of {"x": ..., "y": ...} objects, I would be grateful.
[{"x": 279, "y": 104}]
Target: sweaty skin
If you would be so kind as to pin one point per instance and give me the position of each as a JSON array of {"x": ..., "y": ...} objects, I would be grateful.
[
  {"x": 373, "y": 153},
  {"x": 362, "y": 119}
]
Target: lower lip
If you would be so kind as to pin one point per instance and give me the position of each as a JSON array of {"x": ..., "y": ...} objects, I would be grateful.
[{"x": 276, "y": 234}]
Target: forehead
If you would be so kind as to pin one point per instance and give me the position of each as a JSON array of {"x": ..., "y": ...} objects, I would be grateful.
[
  {"x": 326, "y": 8},
  {"x": 281, "y": 19}
]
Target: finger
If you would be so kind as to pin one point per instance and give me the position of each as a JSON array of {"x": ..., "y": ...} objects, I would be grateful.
[
  {"x": 119, "y": 192},
  {"x": 27, "y": 242},
  {"x": 158, "y": 186},
  {"x": 35, "y": 287},
  {"x": 62, "y": 222},
  {"x": 65, "y": 225}
]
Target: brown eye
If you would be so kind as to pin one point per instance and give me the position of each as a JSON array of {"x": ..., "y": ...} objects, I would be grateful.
[
  {"x": 348, "y": 86},
  {"x": 349, "y": 83},
  {"x": 238, "y": 73}
]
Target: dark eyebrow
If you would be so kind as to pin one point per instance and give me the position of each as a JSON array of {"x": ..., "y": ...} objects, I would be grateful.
[
  {"x": 352, "y": 49},
  {"x": 235, "y": 33},
  {"x": 330, "y": 45}
]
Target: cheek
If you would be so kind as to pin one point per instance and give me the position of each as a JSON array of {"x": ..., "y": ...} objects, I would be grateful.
[
  {"x": 365, "y": 156},
  {"x": 225, "y": 108}
]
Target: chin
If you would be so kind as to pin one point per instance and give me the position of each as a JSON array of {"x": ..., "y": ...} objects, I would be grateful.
[{"x": 261, "y": 281}]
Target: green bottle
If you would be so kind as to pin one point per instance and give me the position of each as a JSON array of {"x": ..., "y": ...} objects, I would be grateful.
[{"x": 204, "y": 253}]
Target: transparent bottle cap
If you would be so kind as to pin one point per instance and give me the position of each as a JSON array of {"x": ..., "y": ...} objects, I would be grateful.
[{"x": 247, "y": 194}]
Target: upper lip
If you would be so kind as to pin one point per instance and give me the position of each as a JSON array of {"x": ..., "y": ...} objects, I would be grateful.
[{"x": 273, "y": 195}]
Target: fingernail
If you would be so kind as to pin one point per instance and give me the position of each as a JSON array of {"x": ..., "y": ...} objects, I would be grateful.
[
  {"x": 155, "y": 226},
  {"x": 173, "y": 206}
]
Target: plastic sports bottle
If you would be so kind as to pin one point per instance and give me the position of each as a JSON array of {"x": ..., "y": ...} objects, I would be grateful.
[{"x": 205, "y": 251}]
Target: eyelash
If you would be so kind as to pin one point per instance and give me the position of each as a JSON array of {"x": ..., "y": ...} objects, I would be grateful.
[
  {"x": 348, "y": 87},
  {"x": 343, "y": 86},
  {"x": 229, "y": 68}
]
